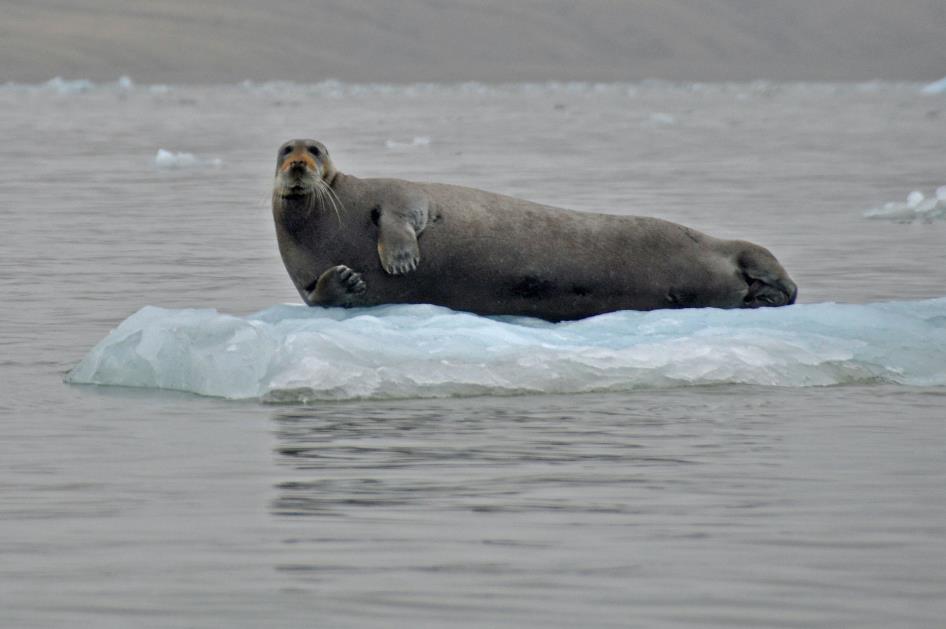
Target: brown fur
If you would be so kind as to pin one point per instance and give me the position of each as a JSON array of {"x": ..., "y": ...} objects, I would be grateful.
[{"x": 491, "y": 254}]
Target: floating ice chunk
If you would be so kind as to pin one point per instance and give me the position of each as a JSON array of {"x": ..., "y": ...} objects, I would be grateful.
[
  {"x": 916, "y": 207},
  {"x": 418, "y": 140},
  {"x": 937, "y": 87},
  {"x": 659, "y": 119},
  {"x": 74, "y": 86},
  {"x": 62, "y": 86},
  {"x": 300, "y": 354},
  {"x": 171, "y": 159},
  {"x": 868, "y": 87}
]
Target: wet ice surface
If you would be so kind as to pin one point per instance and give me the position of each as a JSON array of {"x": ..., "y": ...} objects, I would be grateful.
[{"x": 718, "y": 505}]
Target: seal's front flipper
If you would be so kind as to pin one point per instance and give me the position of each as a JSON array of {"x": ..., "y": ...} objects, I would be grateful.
[
  {"x": 398, "y": 228},
  {"x": 397, "y": 247},
  {"x": 339, "y": 286}
]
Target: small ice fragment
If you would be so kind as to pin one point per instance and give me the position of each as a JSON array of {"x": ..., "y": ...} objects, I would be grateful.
[
  {"x": 63, "y": 86},
  {"x": 917, "y": 206},
  {"x": 937, "y": 87},
  {"x": 171, "y": 159},
  {"x": 662, "y": 119},
  {"x": 125, "y": 83},
  {"x": 419, "y": 140}
]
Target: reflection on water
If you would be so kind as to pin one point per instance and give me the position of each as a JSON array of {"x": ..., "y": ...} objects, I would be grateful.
[{"x": 678, "y": 505}]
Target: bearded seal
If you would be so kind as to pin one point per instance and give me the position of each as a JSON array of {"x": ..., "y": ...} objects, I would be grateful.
[{"x": 348, "y": 241}]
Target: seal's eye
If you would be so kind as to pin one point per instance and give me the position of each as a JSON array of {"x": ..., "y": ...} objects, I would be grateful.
[
  {"x": 315, "y": 151},
  {"x": 286, "y": 150}
]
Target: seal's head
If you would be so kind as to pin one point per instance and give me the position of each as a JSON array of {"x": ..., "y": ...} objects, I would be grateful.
[{"x": 303, "y": 167}]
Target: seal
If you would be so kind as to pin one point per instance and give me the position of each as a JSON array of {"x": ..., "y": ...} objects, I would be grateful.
[{"x": 348, "y": 241}]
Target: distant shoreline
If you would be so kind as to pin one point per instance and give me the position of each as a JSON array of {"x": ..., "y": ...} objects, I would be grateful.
[{"x": 488, "y": 41}]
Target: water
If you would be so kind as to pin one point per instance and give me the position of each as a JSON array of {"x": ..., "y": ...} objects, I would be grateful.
[{"x": 680, "y": 506}]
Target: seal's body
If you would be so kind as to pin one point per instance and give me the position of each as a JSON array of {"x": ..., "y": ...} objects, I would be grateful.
[{"x": 360, "y": 242}]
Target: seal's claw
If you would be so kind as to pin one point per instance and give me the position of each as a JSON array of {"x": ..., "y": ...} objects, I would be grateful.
[
  {"x": 336, "y": 287},
  {"x": 350, "y": 280},
  {"x": 355, "y": 284},
  {"x": 399, "y": 262}
]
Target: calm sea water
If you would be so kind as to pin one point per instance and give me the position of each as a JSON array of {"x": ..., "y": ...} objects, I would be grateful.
[{"x": 686, "y": 507}]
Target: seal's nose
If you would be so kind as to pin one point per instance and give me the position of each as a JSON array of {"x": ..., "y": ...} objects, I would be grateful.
[
  {"x": 297, "y": 163},
  {"x": 297, "y": 167}
]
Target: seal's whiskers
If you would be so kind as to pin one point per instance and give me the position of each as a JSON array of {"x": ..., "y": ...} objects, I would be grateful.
[{"x": 325, "y": 191}]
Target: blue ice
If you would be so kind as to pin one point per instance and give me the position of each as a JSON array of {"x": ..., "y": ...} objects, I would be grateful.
[{"x": 300, "y": 354}]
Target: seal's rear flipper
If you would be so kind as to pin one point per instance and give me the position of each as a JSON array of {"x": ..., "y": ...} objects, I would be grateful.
[
  {"x": 762, "y": 294},
  {"x": 767, "y": 283}
]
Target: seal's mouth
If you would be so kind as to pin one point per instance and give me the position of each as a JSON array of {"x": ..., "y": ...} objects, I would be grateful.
[
  {"x": 296, "y": 192},
  {"x": 298, "y": 169},
  {"x": 294, "y": 185}
]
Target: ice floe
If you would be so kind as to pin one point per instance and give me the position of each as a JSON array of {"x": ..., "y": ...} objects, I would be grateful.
[
  {"x": 916, "y": 207},
  {"x": 416, "y": 141},
  {"x": 936, "y": 87},
  {"x": 165, "y": 159},
  {"x": 292, "y": 353}
]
